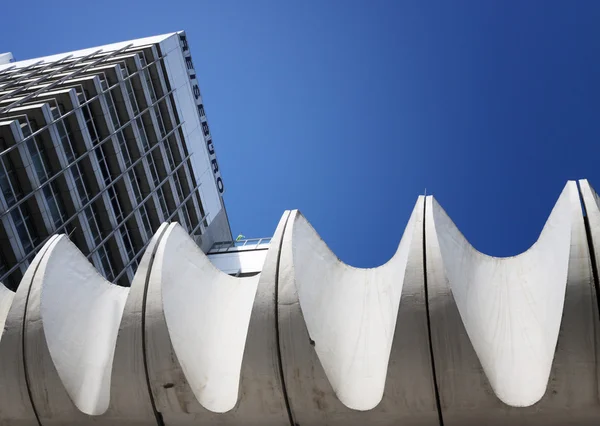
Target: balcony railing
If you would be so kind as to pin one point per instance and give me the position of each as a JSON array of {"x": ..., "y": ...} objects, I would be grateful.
[{"x": 240, "y": 245}]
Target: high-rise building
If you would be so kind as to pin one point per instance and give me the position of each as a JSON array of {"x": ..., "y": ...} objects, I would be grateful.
[{"x": 105, "y": 144}]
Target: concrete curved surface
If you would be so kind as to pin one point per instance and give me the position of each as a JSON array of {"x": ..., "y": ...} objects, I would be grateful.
[
  {"x": 6, "y": 299},
  {"x": 511, "y": 307},
  {"x": 80, "y": 312},
  {"x": 591, "y": 203},
  {"x": 508, "y": 333},
  {"x": 439, "y": 335},
  {"x": 339, "y": 325},
  {"x": 225, "y": 330},
  {"x": 16, "y": 407},
  {"x": 73, "y": 320},
  {"x": 207, "y": 314},
  {"x": 131, "y": 400}
]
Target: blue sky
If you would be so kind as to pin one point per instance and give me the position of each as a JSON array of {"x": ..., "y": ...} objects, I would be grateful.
[{"x": 348, "y": 110}]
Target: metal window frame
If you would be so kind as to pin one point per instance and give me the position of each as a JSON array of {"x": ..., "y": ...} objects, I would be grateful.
[
  {"x": 85, "y": 155},
  {"x": 13, "y": 69},
  {"x": 90, "y": 201},
  {"x": 143, "y": 249},
  {"x": 80, "y": 106},
  {"x": 126, "y": 80},
  {"x": 36, "y": 71},
  {"x": 62, "y": 80},
  {"x": 40, "y": 80},
  {"x": 133, "y": 211}
]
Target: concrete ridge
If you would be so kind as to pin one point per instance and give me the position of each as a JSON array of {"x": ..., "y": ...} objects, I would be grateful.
[
  {"x": 440, "y": 334},
  {"x": 512, "y": 307}
]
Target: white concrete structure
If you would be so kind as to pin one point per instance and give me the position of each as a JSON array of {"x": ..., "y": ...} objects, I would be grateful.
[
  {"x": 354, "y": 339},
  {"x": 6, "y": 58},
  {"x": 514, "y": 337},
  {"x": 441, "y": 334}
]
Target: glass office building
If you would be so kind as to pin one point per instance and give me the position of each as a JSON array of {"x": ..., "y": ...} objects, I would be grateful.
[{"x": 104, "y": 145}]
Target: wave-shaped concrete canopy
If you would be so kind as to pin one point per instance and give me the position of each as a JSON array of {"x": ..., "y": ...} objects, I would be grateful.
[{"x": 441, "y": 334}]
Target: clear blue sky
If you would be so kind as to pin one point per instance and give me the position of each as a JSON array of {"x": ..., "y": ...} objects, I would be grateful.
[{"x": 348, "y": 110}]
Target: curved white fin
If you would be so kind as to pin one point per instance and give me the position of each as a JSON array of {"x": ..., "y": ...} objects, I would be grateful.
[
  {"x": 350, "y": 313},
  {"x": 512, "y": 307},
  {"x": 81, "y": 313},
  {"x": 207, "y": 313},
  {"x": 6, "y": 298}
]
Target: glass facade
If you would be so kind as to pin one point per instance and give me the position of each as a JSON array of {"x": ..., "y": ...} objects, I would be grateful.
[{"x": 92, "y": 147}]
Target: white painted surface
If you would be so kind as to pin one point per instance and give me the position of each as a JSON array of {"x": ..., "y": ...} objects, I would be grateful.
[
  {"x": 131, "y": 401},
  {"x": 81, "y": 313},
  {"x": 354, "y": 342},
  {"x": 350, "y": 313},
  {"x": 6, "y": 58},
  {"x": 512, "y": 307},
  {"x": 16, "y": 407},
  {"x": 83, "y": 52},
  {"x": 259, "y": 396},
  {"x": 6, "y": 298},
  {"x": 238, "y": 341},
  {"x": 207, "y": 313},
  {"x": 592, "y": 206},
  {"x": 188, "y": 114}
]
